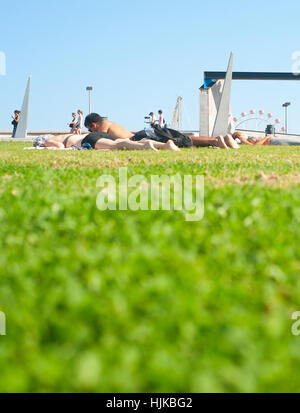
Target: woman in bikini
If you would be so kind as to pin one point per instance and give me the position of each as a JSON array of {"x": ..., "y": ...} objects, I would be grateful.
[{"x": 104, "y": 141}]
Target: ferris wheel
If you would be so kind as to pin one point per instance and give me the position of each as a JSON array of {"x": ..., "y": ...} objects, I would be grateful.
[{"x": 257, "y": 118}]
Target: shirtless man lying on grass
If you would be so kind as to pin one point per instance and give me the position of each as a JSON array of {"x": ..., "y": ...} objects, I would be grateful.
[
  {"x": 95, "y": 123},
  {"x": 100, "y": 141}
]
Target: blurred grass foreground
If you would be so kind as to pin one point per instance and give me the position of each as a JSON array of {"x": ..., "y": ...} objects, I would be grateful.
[{"x": 144, "y": 301}]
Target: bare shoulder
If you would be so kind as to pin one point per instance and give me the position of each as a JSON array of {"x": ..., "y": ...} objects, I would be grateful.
[
  {"x": 113, "y": 125},
  {"x": 105, "y": 125},
  {"x": 119, "y": 131}
]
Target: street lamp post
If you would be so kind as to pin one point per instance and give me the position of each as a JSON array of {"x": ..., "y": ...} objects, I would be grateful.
[
  {"x": 286, "y": 105},
  {"x": 89, "y": 89}
]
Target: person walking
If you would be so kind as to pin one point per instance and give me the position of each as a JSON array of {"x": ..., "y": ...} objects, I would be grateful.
[
  {"x": 79, "y": 122},
  {"x": 153, "y": 120},
  {"x": 15, "y": 122},
  {"x": 73, "y": 124}
]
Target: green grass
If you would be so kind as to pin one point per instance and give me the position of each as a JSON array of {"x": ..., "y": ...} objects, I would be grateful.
[{"x": 123, "y": 301}]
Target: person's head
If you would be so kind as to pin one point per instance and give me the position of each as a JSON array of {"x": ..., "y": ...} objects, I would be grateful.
[
  {"x": 92, "y": 122},
  {"x": 151, "y": 114},
  {"x": 17, "y": 112},
  {"x": 160, "y": 112},
  {"x": 73, "y": 114},
  {"x": 80, "y": 112},
  {"x": 40, "y": 141}
]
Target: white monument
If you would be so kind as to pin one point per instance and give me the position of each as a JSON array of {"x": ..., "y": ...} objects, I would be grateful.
[
  {"x": 22, "y": 127},
  {"x": 215, "y": 109}
]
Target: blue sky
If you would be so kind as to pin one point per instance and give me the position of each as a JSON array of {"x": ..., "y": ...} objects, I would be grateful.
[{"x": 139, "y": 56}]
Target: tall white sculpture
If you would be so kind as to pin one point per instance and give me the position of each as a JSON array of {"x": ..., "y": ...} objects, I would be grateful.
[
  {"x": 176, "y": 122},
  {"x": 210, "y": 97},
  {"x": 21, "y": 132},
  {"x": 223, "y": 119}
]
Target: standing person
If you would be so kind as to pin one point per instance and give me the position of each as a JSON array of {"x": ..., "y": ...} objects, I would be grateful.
[
  {"x": 161, "y": 120},
  {"x": 73, "y": 124},
  {"x": 79, "y": 122},
  {"x": 153, "y": 120},
  {"x": 15, "y": 122}
]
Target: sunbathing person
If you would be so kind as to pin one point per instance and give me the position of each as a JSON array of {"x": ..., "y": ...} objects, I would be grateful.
[
  {"x": 95, "y": 123},
  {"x": 225, "y": 142},
  {"x": 102, "y": 141},
  {"x": 265, "y": 140},
  {"x": 63, "y": 141}
]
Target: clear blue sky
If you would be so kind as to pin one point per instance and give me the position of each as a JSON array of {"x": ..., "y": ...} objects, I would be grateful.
[{"x": 139, "y": 56}]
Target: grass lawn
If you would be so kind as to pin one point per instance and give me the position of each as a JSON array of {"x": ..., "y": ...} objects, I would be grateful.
[{"x": 124, "y": 301}]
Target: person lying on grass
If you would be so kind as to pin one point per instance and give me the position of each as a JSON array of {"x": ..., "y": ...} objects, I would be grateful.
[
  {"x": 101, "y": 141},
  {"x": 96, "y": 123},
  {"x": 244, "y": 139},
  {"x": 265, "y": 140},
  {"x": 226, "y": 142}
]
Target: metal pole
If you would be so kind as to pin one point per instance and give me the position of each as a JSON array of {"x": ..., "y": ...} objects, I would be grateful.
[
  {"x": 286, "y": 105},
  {"x": 89, "y": 89}
]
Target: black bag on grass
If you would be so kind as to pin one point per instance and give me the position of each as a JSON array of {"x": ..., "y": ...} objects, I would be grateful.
[{"x": 166, "y": 134}]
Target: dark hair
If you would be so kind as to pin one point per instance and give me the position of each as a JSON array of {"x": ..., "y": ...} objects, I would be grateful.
[
  {"x": 93, "y": 118},
  {"x": 160, "y": 111}
]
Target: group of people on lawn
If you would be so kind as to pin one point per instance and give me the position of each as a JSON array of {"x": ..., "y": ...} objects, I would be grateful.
[{"x": 107, "y": 135}]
